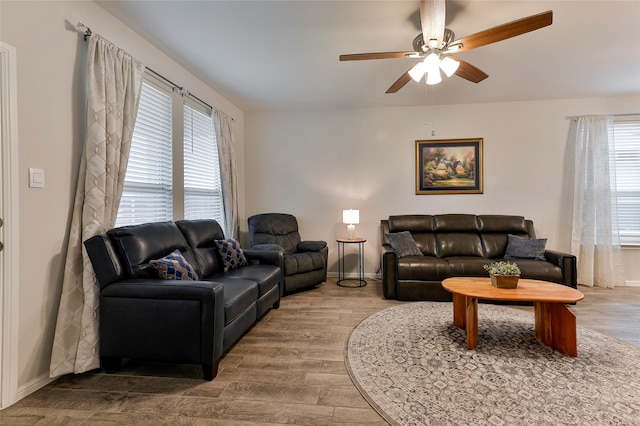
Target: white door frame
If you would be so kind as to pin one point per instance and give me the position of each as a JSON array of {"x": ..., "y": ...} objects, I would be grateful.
[{"x": 9, "y": 283}]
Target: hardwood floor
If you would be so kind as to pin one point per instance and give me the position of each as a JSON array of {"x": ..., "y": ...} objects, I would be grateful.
[{"x": 288, "y": 369}]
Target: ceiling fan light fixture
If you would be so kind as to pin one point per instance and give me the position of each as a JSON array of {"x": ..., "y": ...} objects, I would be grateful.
[
  {"x": 434, "y": 77},
  {"x": 417, "y": 71},
  {"x": 454, "y": 47},
  {"x": 449, "y": 65},
  {"x": 431, "y": 63}
]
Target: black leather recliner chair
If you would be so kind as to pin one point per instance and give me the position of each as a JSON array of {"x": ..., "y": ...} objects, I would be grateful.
[{"x": 305, "y": 262}]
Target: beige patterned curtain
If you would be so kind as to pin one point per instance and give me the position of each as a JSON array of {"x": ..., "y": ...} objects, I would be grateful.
[
  {"x": 223, "y": 126},
  {"x": 114, "y": 80}
]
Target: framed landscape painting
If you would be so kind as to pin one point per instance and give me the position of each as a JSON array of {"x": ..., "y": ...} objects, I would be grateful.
[{"x": 449, "y": 166}]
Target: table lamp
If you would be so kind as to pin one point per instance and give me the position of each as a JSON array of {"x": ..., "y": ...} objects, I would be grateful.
[{"x": 351, "y": 218}]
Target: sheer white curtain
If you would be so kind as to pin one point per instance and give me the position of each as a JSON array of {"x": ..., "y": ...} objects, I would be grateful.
[
  {"x": 589, "y": 204},
  {"x": 114, "y": 83},
  {"x": 223, "y": 126}
]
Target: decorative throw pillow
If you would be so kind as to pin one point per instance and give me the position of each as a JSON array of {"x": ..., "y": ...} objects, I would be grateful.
[
  {"x": 174, "y": 267},
  {"x": 525, "y": 248},
  {"x": 403, "y": 243},
  {"x": 231, "y": 254}
]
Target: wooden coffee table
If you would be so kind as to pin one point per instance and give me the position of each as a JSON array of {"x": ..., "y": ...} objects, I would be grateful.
[{"x": 555, "y": 324}]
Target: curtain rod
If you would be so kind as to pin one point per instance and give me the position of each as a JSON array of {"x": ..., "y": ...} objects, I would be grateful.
[
  {"x": 571, "y": 117},
  {"x": 182, "y": 90},
  {"x": 86, "y": 32}
]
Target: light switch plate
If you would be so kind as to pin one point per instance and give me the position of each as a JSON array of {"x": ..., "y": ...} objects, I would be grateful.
[{"x": 36, "y": 178}]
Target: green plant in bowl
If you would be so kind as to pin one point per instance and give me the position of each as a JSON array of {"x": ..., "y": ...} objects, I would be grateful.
[
  {"x": 502, "y": 267},
  {"x": 504, "y": 274}
]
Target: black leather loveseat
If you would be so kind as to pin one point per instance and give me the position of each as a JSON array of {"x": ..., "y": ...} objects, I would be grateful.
[
  {"x": 146, "y": 317},
  {"x": 458, "y": 245}
]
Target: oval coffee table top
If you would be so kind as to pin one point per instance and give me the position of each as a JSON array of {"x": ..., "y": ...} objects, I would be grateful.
[{"x": 527, "y": 290}]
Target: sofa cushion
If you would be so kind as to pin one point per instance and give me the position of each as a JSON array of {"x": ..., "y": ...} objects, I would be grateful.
[
  {"x": 201, "y": 235},
  {"x": 494, "y": 230},
  {"x": 411, "y": 222},
  {"x": 525, "y": 248},
  {"x": 422, "y": 268},
  {"x": 231, "y": 254},
  {"x": 467, "y": 266},
  {"x": 300, "y": 263},
  {"x": 239, "y": 295},
  {"x": 174, "y": 267},
  {"x": 540, "y": 270},
  {"x": 403, "y": 243},
  {"x": 267, "y": 276},
  {"x": 455, "y": 223},
  {"x": 459, "y": 244},
  {"x": 136, "y": 245}
]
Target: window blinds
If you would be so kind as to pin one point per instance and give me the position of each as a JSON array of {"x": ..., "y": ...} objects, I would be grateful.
[
  {"x": 202, "y": 190},
  {"x": 147, "y": 195},
  {"x": 625, "y": 153}
]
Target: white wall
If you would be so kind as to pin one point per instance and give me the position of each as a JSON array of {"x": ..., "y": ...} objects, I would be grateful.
[
  {"x": 314, "y": 164},
  {"x": 51, "y": 58}
]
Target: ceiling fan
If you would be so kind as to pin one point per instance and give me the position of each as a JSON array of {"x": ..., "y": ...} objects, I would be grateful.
[{"x": 436, "y": 46}]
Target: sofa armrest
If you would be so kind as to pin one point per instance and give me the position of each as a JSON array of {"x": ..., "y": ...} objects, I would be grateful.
[
  {"x": 568, "y": 264},
  {"x": 163, "y": 319},
  {"x": 267, "y": 257},
  {"x": 311, "y": 246},
  {"x": 389, "y": 259},
  {"x": 151, "y": 288}
]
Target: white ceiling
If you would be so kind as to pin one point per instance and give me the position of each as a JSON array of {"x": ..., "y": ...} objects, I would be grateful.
[{"x": 284, "y": 54}]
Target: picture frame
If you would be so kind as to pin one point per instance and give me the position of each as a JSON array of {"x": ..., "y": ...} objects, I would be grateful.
[{"x": 449, "y": 166}]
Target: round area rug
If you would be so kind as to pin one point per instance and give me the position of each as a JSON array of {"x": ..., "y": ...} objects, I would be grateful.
[{"x": 411, "y": 364}]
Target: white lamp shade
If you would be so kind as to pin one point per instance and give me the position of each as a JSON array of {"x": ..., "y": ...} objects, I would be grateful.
[
  {"x": 431, "y": 63},
  {"x": 434, "y": 77},
  {"x": 351, "y": 217},
  {"x": 449, "y": 65},
  {"x": 417, "y": 71}
]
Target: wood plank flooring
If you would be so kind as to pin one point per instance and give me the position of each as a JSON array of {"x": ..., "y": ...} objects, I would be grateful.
[{"x": 288, "y": 369}]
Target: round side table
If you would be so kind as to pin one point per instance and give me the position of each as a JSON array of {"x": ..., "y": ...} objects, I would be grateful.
[{"x": 359, "y": 281}]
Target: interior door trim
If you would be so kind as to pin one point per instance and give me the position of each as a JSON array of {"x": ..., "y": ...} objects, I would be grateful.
[{"x": 9, "y": 300}]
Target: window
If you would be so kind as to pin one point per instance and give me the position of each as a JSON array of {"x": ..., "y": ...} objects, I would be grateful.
[
  {"x": 625, "y": 156},
  {"x": 147, "y": 193},
  {"x": 173, "y": 169},
  {"x": 202, "y": 190}
]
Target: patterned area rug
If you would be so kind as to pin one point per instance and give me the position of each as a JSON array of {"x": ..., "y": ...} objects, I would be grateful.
[{"x": 412, "y": 366}]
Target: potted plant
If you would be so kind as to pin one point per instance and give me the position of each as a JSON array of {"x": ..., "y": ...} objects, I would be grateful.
[{"x": 504, "y": 274}]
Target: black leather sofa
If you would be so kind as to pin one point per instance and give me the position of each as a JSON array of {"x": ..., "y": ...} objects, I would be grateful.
[
  {"x": 174, "y": 321},
  {"x": 458, "y": 245}
]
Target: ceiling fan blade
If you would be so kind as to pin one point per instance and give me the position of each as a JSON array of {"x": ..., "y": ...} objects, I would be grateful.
[
  {"x": 469, "y": 72},
  {"x": 505, "y": 31},
  {"x": 379, "y": 55},
  {"x": 432, "y": 16},
  {"x": 399, "y": 83}
]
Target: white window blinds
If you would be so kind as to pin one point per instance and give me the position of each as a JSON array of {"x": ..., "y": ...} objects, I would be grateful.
[
  {"x": 173, "y": 161},
  {"x": 202, "y": 191},
  {"x": 625, "y": 154},
  {"x": 147, "y": 193}
]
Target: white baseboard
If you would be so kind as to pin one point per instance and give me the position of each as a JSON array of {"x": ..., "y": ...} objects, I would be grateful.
[
  {"x": 630, "y": 283},
  {"x": 34, "y": 385}
]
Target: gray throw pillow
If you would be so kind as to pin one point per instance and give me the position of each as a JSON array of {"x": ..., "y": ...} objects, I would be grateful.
[
  {"x": 404, "y": 244},
  {"x": 525, "y": 248}
]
